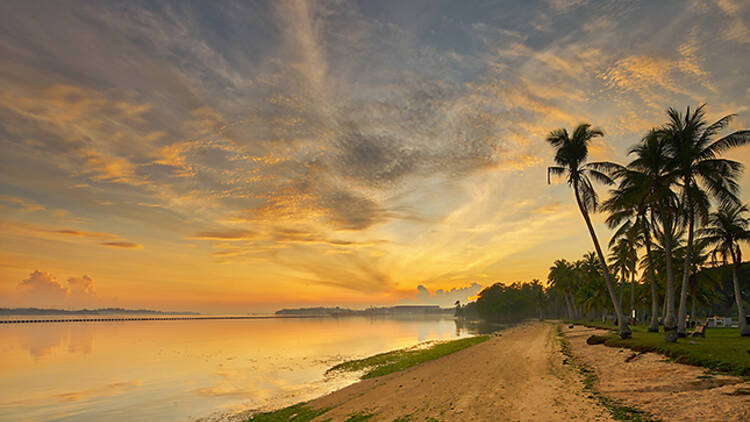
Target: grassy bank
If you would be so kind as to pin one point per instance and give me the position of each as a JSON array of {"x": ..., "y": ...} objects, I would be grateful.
[
  {"x": 723, "y": 350},
  {"x": 397, "y": 360},
  {"x": 301, "y": 413}
]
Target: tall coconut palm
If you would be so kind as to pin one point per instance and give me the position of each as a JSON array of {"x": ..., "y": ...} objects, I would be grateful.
[
  {"x": 571, "y": 156},
  {"x": 562, "y": 279},
  {"x": 623, "y": 259},
  {"x": 636, "y": 228},
  {"x": 643, "y": 199},
  {"x": 695, "y": 157},
  {"x": 701, "y": 287},
  {"x": 591, "y": 291},
  {"x": 726, "y": 228}
]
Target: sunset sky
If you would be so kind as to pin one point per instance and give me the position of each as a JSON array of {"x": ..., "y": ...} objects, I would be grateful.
[{"x": 241, "y": 157}]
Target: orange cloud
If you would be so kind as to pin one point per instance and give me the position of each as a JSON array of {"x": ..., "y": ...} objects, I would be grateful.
[
  {"x": 28, "y": 206},
  {"x": 230, "y": 235},
  {"x": 127, "y": 245},
  {"x": 111, "y": 169},
  {"x": 78, "y": 233},
  {"x": 43, "y": 289}
]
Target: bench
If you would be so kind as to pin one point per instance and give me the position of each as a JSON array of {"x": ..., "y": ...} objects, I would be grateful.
[{"x": 700, "y": 331}]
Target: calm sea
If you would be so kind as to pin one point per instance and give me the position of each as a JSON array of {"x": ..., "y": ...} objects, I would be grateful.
[{"x": 183, "y": 370}]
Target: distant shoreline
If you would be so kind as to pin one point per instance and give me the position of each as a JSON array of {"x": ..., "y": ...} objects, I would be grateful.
[
  {"x": 98, "y": 311},
  {"x": 165, "y": 317},
  {"x": 154, "y": 318}
]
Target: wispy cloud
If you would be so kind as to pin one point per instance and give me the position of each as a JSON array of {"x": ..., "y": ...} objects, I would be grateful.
[{"x": 127, "y": 245}]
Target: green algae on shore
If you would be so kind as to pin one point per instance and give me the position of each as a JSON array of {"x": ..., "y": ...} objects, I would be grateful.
[{"x": 397, "y": 360}]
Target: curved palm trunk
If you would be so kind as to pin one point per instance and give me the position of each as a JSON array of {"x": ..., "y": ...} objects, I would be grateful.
[
  {"x": 622, "y": 324},
  {"x": 622, "y": 288},
  {"x": 744, "y": 330},
  {"x": 681, "y": 331},
  {"x": 654, "y": 325},
  {"x": 670, "y": 322}
]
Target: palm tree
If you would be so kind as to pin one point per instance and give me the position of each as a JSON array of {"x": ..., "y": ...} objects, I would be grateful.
[
  {"x": 694, "y": 155},
  {"x": 726, "y": 228},
  {"x": 623, "y": 257},
  {"x": 701, "y": 286},
  {"x": 591, "y": 289},
  {"x": 644, "y": 198},
  {"x": 561, "y": 278},
  {"x": 571, "y": 157},
  {"x": 539, "y": 297}
]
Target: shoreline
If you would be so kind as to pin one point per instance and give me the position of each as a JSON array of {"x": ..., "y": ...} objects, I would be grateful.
[
  {"x": 535, "y": 371},
  {"x": 495, "y": 377}
]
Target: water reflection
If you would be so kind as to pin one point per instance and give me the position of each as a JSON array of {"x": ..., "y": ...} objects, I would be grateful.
[
  {"x": 180, "y": 370},
  {"x": 43, "y": 340}
]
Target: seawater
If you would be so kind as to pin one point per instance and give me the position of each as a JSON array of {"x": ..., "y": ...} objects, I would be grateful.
[{"x": 184, "y": 370}]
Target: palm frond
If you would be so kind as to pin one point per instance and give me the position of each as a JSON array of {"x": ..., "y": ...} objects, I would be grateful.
[
  {"x": 556, "y": 171},
  {"x": 730, "y": 141}
]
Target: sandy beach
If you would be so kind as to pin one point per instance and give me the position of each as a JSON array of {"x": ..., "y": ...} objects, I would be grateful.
[
  {"x": 523, "y": 375},
  {"x": 517, "y": 376}
]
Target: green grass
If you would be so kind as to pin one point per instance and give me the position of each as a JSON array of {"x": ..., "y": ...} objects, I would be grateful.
[
  {"x": 359, "y": 417},
  {"x": 397, "y": 360},
  {"x": 301, "y": 413},
  {"x": 618, "y": 411},
  {"x": 410, "y": 418},
  {"x": 723, "y": 350},
  {"x": 297, "y": 413}
]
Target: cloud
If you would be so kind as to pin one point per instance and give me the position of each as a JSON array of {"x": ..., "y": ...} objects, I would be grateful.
[
  {"x": 340, "y": 130},
  {"x": 25, "y": 204},
  {"x": 44, "y": 288},
  {"x": 127, "y": 245},
  {"x": 232, "y": 234},
  {"x": 442, "y": 297},
  {"x": 111, "y": 169},
  {"x": 78, "y": 233},
  {"x": 41, "y": 289},
  {"x": 82, "y": 285}
]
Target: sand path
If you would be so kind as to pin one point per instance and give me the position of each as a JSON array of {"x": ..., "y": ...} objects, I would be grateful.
[
  {"x": 519, "y": 376},
  {"x": 669, "y": 391}
]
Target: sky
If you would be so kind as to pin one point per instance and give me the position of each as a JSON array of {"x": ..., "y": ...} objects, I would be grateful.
[{"x": 246, "y": 156}]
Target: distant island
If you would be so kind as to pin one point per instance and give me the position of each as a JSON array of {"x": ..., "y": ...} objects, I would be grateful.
[
  {"x": 102, "y": 311},
  {"x": 372, "y": 311}
]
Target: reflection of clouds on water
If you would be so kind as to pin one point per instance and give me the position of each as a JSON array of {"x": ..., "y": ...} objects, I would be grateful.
[
  {"x": 43, "y": 340},
  {"x": 81, "y": 340},
  {"x": 109, "y": 390},
  {"x": 188, "y": 368}
]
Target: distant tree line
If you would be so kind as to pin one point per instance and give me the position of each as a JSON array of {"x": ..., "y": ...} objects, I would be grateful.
[{"x": 575, "y": 290}]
